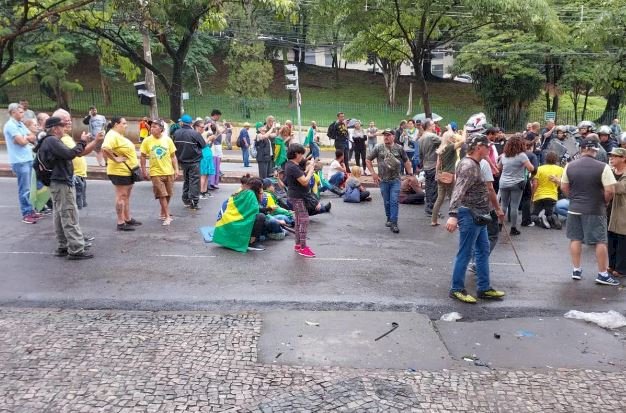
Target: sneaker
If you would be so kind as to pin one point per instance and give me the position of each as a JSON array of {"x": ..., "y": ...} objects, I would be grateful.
[
  {"x": 203, "y": 196},
  {"x": 394, "y": 228},
  {"x": 125, "y": 227},
  {"x": 60, "y": 252},
  {"x": 577, "y": 275},
  {"x": 463, "y": 297},
  {"x": 388, "y": 224},
  {"x": 606, "y": 280},
  {"x": 186, "y": 204},
  {"x": 555, "y": 222},
  {"x": 327, "y": 207},
  {"x": 428, "y": 213},
  {"x": 514, "y": 231},
  {"x": 256, "y": 246},
  {"x": 491, "y": 294},
  {"x": 87, "y": 245},
  {"x": 133, "y": 222},
  {"x": 296, "y": 248},
  {"x": 46, "y": 211},
  {"x": 543, "y": 220},
  {"x": 306, "y": 252},
  {"x": 166, "y": 222},
  {"x": 36, "y": 215},
  {"x": 29, "y": 219},
  {"x": 89, "y": 238},
  {"x": 194, "y": 206},
  {"x": 80, "y": 256}
]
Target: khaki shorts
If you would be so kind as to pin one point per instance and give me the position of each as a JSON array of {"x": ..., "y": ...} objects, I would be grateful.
[
  {"x": 163, "y": 186},
  {"x": 590, "y": 229}
]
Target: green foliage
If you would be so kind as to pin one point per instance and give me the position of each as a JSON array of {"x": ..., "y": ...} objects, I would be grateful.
[{"x": 250, "y": 74}]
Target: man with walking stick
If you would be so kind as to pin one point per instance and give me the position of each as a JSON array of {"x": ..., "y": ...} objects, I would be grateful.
[{"x": 470, "y": 212}]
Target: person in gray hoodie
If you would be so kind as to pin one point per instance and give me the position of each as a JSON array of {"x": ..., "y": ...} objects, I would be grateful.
[{"x": 428, "y": 144}]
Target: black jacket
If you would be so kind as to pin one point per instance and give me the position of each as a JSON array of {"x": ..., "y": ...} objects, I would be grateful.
[
  {"x": 189, "y": 145},
  {"x": 58, "y": 157},
  {"x": 263, "y": 150}
]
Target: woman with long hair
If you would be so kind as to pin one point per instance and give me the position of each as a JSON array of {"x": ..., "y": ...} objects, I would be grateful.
[
  {"x": 120, "y": 151},
  {"x": 446, "y": 164},
  {"x": 514, "y": 165}
]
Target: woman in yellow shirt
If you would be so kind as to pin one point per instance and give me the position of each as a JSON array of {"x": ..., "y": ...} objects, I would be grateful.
[{"x": 122, "y": 159}]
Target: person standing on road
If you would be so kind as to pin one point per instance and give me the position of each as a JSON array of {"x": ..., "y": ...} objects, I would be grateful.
[
  {"x": 56, "y": 157},
  {"x": 427, "y": 147},
  {"x": 469, "y": 209},
  {"x": 228, "y": 135},
  {"x": 372, "y": 137},
  {"x": 389, "y": 157},
  {"x": 19, "y": 141},
  {"x": 79, "y": 162},
  {"x": 96, "y": 123},
  {"x": 243, "y": 141},
  {"x": 297, "y": 182},
  {"x": 122, "y": 156},
  {"x": 589, "y": 184},
  {"x": 446, "y": 163},
  {"x": 338, "y": 131},
  {"x": 189, "y": 144},
  {"x": 312, "y": 141},
  {"x": 617, "y": 216},
  {"x": 264, "y": 143},
  {"x": 359, "y": 138},
  {"x": 161, "y": 152}
]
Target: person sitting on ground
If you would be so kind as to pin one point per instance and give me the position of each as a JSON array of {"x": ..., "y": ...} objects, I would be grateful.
[
  {"x": 411, "y": 191},
  {"x": 545, "y": 188},
  {"x": 324, "y": 185},
  {"x": 337, "y": 173},
  {"x": 269, "y": 201},
  {"x": 354, "y": 184},
  {"x": 240, "y": 224}
]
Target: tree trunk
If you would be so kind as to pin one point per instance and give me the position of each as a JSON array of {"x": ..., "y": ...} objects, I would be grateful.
[
  {"x": 613, "y": 102},
  {"x": 420, "y": 80},
  {"x": 575, "y": 98},
  {"x": 106, "y": 90},
  {"x": 555, "y": 104},
  {"x": 585, "y": 105},
  {"x": 176, "y": 90}
]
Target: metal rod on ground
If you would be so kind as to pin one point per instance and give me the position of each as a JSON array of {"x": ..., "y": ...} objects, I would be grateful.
[{"x": 508, "y": 235}]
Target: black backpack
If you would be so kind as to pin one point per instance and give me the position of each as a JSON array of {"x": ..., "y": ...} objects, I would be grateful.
[{"x": 42, "y": 172}]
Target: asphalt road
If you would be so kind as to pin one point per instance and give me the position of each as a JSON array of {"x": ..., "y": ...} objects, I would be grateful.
[{"x": 361, "y": 264}]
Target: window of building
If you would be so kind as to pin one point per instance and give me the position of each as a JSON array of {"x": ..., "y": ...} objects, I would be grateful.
[
  {"x": 437, "y": 70},
  {"x": 437, "y": 56},
  {"x": 328, "y": 59},
  {"x": 309, "y": 57}
]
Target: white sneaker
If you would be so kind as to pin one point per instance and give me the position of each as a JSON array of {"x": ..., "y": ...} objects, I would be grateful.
[{"x": 544, "y": 219}]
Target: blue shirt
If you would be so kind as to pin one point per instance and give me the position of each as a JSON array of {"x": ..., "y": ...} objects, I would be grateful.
[{"x": 17, "y": 153}]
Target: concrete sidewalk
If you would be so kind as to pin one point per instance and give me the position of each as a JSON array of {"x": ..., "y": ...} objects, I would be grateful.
[{"x": 111, "y": 361}]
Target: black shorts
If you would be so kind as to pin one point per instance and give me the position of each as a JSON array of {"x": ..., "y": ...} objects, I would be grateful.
[{"x": 120, "y": 180}]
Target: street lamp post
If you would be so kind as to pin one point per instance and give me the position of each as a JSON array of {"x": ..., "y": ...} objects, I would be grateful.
[{"x": 292, "y": 76}]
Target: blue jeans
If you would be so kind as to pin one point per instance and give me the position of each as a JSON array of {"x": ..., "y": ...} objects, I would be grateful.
[
  {"x": 23, "y": 171},
  {"x": 315, "y": 150},
  {"x": 245, "y": 152},
  {"x": 391, "y": 191},
  {"x": 336, "y": 179},
  {"x": 562, "y": 206},
  {"x": 474, "y": 238}
]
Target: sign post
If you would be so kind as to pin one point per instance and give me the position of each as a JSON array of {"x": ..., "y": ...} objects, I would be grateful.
[{"x": 292, "y": 76}]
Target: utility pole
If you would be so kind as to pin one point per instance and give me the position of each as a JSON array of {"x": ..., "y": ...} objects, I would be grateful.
[{"x": 292, "y": 76}]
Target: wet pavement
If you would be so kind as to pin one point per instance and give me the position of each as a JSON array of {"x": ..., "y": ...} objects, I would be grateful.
[{"x": 361, "y": 265}]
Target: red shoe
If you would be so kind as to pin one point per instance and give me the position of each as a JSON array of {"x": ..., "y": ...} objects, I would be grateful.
[
  {"x": 296, "y": 248},
  {"x": 306, "y": 252}
]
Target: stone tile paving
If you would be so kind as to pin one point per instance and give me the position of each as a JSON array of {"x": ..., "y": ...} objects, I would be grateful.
[{"x": 99, "y": 361}]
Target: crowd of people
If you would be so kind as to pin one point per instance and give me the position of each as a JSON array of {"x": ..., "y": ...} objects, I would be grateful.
[{"x": 551, "y": 175}]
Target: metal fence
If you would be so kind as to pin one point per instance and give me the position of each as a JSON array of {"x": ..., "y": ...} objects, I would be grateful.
[{"x": 126, "y": 103}]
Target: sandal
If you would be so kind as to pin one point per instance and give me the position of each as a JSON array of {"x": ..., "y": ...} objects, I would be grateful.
[{"x": 434, "y": 224}]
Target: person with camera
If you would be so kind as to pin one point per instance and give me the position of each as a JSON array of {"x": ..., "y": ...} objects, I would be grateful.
[
  {"x": 55, "y": 159},
  {"x": 470, "y": 212}
]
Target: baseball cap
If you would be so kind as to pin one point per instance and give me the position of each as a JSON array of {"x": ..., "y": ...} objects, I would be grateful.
[
  {"x": 53, "y": 121},
  {"x": 186, "y": 119},
  {"x": 621, "y": 152},
  {"x": 454, "y": 126},
  {"x": 589, "y": 143},
  {"x": 159, "y": 122},
  {"x": 267, "y": 183},
  {"x": 477, "y": 139},
  {"x": 387, "y": 132}
]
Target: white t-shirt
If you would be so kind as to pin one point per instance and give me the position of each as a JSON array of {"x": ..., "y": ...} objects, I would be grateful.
[{"x": 334, "y": 167}]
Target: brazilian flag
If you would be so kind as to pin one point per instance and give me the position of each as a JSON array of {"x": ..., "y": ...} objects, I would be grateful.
[
  {"x": 280, "y": 151},
  {"x": 39, "y": 193},
  {"x": 234, "y": 228}
]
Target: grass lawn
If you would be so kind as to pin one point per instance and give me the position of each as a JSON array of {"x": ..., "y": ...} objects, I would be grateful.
[{"x": 359, "y": 94}]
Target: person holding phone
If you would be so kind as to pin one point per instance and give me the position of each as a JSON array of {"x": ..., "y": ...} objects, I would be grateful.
[{"x": 297, "y": 182}]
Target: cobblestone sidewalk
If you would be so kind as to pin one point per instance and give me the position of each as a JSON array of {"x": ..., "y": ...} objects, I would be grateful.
[{"x": 98, "y": 361}]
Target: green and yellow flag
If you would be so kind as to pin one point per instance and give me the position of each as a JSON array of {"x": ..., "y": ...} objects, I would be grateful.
[
  {"x": 234, "y": 228},
  {"x": 280, "y": 151}
]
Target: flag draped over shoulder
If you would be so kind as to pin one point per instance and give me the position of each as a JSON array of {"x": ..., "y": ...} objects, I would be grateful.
[
  {"x": 234, "y": 227},
  {"x": 280, "y": 151},
  {"x": 39, "y": 194}
]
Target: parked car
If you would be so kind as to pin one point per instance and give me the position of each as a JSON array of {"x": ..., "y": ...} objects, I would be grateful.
[{"x": 464, "y": 79}]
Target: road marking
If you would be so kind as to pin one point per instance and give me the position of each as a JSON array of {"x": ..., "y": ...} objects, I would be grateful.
[
  {"x": 27, "y": 252},
  {"x": 184, "y": 256}
]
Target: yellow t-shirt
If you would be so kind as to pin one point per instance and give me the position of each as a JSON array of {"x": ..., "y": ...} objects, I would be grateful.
[
  {"x": 159, "y": 152},
  {"x": 547, "y": 189},
  {"x": 80, "y": 163},
  {"x": 120, "y": 146}
]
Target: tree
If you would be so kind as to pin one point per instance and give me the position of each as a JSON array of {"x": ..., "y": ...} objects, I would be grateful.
[
  {"x": 174, "y": 29},
  {"x": 579, "y": 79},
  {"x": 19, "y": 18},
  {"x": 503, "y": 77}
]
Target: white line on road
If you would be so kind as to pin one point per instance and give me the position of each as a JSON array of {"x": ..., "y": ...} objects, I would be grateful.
[{"x": 27, "y": 252}]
